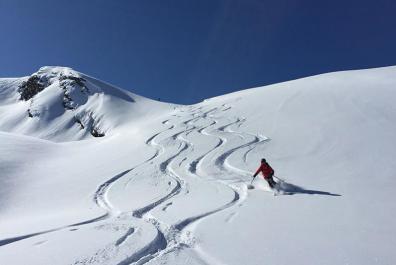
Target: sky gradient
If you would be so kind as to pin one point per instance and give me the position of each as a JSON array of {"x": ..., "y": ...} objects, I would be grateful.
[{"x": 186, "y": 51}]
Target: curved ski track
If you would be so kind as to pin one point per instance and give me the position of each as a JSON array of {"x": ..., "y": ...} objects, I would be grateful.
[{"x": 176, "y": 237}]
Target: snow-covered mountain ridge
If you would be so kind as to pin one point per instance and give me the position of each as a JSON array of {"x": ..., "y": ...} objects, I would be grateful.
[
  {"x": 167, "y": 184},
  {"x": 58, "y": 103}
]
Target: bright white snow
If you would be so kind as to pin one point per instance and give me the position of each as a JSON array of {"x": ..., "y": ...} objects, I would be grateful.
[{"x": 167, "y": 184}]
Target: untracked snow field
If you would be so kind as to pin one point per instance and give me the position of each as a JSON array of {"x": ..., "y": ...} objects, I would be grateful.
[{"x": 93, "y": 174}]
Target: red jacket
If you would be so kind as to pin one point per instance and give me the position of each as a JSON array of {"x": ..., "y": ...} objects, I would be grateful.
[{"x": 265, "y": 169}]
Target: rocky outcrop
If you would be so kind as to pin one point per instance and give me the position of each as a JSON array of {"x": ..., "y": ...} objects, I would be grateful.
[
  {"x": 88, "y": 121},
  {"x": 75, "y": 94},
  {"x": 95, "y": 132},
  {"x": 31, "y": 87}
]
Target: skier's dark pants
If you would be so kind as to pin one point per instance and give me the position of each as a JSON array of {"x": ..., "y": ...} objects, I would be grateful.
[{"x": 270, "y": 180}]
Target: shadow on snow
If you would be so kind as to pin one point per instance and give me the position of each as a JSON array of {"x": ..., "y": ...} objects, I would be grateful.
[{"x": 291, "y": 189}]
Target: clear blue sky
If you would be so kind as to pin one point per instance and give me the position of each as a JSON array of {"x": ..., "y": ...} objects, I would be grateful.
[{"x": 185, "y": 51}]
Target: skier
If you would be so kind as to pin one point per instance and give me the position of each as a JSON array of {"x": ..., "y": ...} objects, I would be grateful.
[{"x": 267, "y": 172}]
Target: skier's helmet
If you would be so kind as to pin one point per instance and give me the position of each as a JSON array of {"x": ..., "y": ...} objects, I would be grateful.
[{"x": 263, "y": 160}]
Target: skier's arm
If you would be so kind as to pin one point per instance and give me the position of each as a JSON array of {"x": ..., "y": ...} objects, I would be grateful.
[{"x": 257, "y": 171}]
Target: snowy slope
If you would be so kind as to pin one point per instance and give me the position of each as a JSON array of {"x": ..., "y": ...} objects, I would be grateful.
[
  {"x": 60, "y": 104},
  {"x": 167, "y": 184}
]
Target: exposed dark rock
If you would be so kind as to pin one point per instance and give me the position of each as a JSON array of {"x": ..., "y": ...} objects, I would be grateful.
[
  {"x": 67, "y": 83},
  {"x": 80, "y": 123},
  {"x": 68, "y": 102},
  {"x": 76, "y": 80},
  {"x": 70, "y": 84},
  {"x": 30, "y": 88},
  {"x": 96, "y": 132},
  {"x": 88, "y": 122},
  {"x": 33, "y": 113}
]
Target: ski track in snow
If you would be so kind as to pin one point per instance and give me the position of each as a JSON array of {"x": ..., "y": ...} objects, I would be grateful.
[
  {"x": 176, "y": 237},
  {"x": 173, "y": 235}
]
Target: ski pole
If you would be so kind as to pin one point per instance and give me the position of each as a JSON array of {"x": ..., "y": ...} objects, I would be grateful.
[{"x": 279, "y": 179}]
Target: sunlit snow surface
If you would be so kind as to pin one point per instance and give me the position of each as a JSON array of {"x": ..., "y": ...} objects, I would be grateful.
[{"x": 167, "y": 184}]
